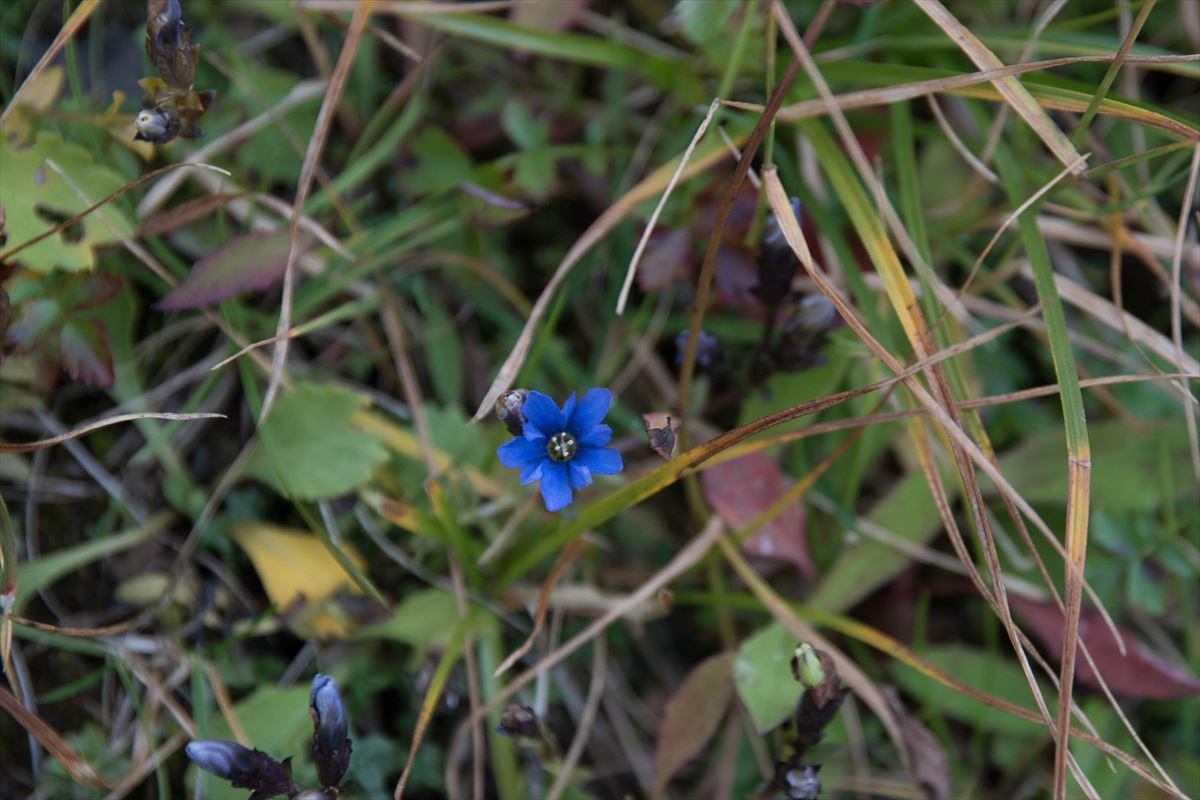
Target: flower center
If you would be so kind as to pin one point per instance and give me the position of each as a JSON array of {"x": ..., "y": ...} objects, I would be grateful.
[{"x": 561, "y": 447}]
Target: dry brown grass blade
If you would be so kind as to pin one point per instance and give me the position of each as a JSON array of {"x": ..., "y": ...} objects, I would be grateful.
[
  {"x": 651, "y": 186},
  {"x": 312, "y": 160},
  {"x": 1017, "y": 95},
  {"x": 684, "y": 560},
  {"x": 76, "y": 765},
  {"x": 29, "y": 447},
  {"x": 708, "y": 266},
  {"x": 867, "y": 98},
  {"x": 565, "y": 559},
  {"x": 662, "y": 201},
  {"x": 964, "y": 448},
  {"x": 1177, "y": 292},
  {"x": 79, "y": 16},
  {"x": 1106, "y": 313},
  {"x": 587, "y": 719}
]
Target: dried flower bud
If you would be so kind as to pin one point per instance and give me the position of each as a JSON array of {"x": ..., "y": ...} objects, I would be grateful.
[
  {"x": 803, "y": 783},
  {"x": 776, "y": 261},
  {"x": 508, "y": 410},
  {"x": 242, "y": 767},
  {"x": 519, "y": 721},
  {"x": 708, "y": 349},
  {"x": 331, "y": 747},
  {"x": 661, "y": 430}
]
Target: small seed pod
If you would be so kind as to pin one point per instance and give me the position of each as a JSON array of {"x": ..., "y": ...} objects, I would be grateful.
[
  {"x": 519, "y": 721},
  {"x": 508, "y": 410}
]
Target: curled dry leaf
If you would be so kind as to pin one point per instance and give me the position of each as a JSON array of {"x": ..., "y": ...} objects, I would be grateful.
[
  {"x": 1138, "y": 673},
  {"x": 661, "y": 430},
  {"x": 742, "y": 488},
  {"x": 928, "y": 760}
]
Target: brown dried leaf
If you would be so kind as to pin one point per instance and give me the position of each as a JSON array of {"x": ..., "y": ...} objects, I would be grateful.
[
  {"x": 661, "y": 430},
  {"x": 692, "y": 716},
  {"x": 742, "y": 488},
  {"x": 185, "y": 213},
  {"x": 75, "y": 765},
  {"x": 928, "y": 760},
  {"x": 1139, "y": 673},
  {"x": 668, "y": 258}
]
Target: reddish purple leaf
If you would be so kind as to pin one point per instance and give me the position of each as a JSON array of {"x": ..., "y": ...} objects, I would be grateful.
[
  {"x": 245, "y": 263},
  {"x": 86, "y": 355},
  {"x": 85, "y": 291},
  {"x": 742, "y": 488},
  {"x": 692, "y": 716},
  {"x": 736, "y": 277},
  {"x": 668, "y": 257},
  {"x": 1139, "y": 673}
]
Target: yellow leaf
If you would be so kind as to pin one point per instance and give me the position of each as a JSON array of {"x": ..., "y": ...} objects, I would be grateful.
[
  {"x": 41, "y": 94},
  {"x": 296, "y": 568}
]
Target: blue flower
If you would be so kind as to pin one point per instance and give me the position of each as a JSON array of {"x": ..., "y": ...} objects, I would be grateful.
[
  {"x": 331, "y": 747},
  {"x": 563, "y": 448}
]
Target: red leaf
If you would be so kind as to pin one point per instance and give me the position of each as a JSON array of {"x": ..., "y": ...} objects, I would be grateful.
[
  {"x": 692, "y": 716},
  {"x": 668, "y": 257},
  {"x": 83, "y": 292},
  {"x": 245, "y": 263},
  {"x": 736, "y": 276},
  {"x": 1139, "y": 673},
  {"x": 86, "y": 355},
  {"x": 742, "y": 488}
]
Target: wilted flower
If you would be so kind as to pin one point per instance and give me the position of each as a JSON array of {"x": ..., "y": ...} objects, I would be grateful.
[
  {"x": 776, "y": 261},
  {"x": 708, "y": 349},
  {"x": 519, "y": 721},
  {"x": 562, "y": 448},
  {"x": 331, "y": 747},
  {"x": 242, "y": 767},
  {"x": 508, "y": 410}
]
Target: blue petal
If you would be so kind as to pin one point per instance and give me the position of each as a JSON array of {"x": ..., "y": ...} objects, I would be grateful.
[
  {"x": 569, "y": 407},
  {"x": 600, "y": 460},
  {"x": 556, "y": 491},
  {"x": 519, "y": 452},
  {"x": 598, "y": 436},
  {"x": 531, "y": 472},
  {"x": 579, "y": 475},
  {"x": 590, "y": 411},
  {"x": 541, "y": 413}
]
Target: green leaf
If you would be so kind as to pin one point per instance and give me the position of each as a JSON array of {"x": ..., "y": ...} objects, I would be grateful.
[
  {"x": 35, "y": 197},
  {"x": 42, "y": 572},
  {"x": 519, "y": 124},
  {"x": 309, "y": 447},
  {"x": 276, "y": 721},
  {"x": 984, "y": 671},
  {"x": 762, "y": 674},
  {"x": 425, "y": 619},
  {"x": 441, "y": 163},
  {"x": 702, "y": 20},
  {"x": 245, "y": 263}
]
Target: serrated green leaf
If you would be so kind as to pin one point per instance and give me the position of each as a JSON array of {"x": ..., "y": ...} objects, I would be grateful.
[
  {"x": 34, "y": 196},
  {"x": 309, "y": 447},
  {"x": 762, "y": 674}
]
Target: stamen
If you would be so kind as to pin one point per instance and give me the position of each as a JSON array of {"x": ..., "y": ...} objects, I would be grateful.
[{"x": 561, "y": 447}]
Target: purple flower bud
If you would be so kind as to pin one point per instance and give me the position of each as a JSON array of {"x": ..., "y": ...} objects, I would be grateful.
[
  {"x": 242, "y": 767},
  {"x": 776, "y": 261},
  {"x": 331, "y": 747},
  {"x": 708, "y": 349}
]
